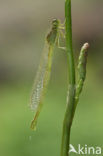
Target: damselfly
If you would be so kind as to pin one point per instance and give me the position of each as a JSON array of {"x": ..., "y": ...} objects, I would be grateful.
[{"x": 43, "y": 74}]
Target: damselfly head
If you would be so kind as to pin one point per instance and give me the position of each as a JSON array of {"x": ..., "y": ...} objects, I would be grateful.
[{"x": 55, "y": 22}]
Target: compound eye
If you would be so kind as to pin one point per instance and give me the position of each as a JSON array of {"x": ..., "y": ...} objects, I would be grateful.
[{"x": 54, "y": 21}]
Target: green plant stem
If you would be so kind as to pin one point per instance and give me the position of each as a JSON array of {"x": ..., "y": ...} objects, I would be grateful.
[{"x": 71, "y": 70}]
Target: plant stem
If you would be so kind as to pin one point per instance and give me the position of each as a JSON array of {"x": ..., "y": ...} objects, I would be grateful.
[{"x": 71, "y": 70}]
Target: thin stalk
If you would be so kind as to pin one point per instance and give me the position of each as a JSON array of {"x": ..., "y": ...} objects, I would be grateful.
[{"x": 71, "y": 71}]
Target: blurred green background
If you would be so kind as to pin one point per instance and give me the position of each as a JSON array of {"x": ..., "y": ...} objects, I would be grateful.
[{"x": 23, "y": 25}]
